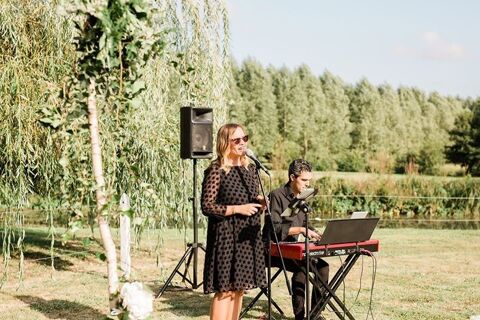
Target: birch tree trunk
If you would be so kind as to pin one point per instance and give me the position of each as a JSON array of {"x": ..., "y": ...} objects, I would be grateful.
[{"x": 107, "y": 241}]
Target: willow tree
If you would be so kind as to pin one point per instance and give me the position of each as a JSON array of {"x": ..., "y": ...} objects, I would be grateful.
[
  {"x": 35, "y": 56},
  {"x": 194, "y": 71}
]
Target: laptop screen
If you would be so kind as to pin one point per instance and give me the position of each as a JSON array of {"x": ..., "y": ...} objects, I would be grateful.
[
  {"x": 359, "y": 214},
  {"x": 348, "y": 230}
]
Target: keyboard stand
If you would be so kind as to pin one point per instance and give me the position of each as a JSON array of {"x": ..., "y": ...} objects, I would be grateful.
[{"x": 330, "y": 288}]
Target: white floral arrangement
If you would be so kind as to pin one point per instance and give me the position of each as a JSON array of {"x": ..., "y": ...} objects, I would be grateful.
[{"x": 137, "y": 300}]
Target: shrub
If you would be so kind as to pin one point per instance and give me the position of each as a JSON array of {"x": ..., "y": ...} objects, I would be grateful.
[
  {"x": 352, "y": 161},
  {"x": 430, "y": 160},
  {"x": 381, "y": 162}
]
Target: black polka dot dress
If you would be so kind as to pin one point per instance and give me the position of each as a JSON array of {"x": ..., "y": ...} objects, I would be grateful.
[{"x": 235, "y": 258}]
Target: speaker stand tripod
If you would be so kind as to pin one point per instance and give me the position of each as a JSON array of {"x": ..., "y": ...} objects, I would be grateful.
[{"x": 192, "y": 251}]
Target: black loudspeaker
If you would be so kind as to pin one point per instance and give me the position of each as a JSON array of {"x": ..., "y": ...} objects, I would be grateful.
[{"x": 196, "y": 139}]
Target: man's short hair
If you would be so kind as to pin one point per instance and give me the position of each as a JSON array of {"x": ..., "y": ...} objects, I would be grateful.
[{"x": 297, "y": 166}]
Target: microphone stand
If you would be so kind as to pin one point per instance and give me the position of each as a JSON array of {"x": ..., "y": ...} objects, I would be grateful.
[
  {"x": 306, "y": 209},
  {"x": 269, "y": 259}
]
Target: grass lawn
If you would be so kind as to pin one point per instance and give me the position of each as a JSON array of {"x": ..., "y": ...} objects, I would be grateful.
[{"x": 421, "y": 274}]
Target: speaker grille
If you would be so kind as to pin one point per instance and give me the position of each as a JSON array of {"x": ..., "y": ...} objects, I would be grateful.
[{"x": 201, "y": 141}]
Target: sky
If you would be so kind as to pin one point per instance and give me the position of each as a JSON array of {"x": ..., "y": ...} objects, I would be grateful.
[{"x": 433, "y": 45}]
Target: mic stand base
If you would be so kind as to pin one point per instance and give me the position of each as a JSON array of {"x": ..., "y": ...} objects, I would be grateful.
[{"x": 269, "y": 263}]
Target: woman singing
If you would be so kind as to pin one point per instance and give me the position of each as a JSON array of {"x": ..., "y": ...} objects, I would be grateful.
[{"x": 234, "y": 261}]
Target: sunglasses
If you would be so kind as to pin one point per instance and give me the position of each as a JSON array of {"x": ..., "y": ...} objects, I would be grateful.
[{"x": 237, "y": 140}]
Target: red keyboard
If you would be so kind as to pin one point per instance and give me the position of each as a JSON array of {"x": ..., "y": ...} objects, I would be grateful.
[{"x": 296, "y": 250}]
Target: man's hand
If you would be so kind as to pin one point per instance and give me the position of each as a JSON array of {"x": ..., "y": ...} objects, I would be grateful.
[
  {"x": 293, "y": 231},
  {"x": 312, "y": 234}
]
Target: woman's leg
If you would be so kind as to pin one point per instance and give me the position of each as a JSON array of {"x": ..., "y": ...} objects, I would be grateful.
[
  {"x": 222, "y": 305},
  {"x": 237, "y": 304}
]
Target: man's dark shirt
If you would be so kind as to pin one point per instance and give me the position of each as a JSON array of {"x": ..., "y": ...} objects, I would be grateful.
[{"x": 279, "y": 200}]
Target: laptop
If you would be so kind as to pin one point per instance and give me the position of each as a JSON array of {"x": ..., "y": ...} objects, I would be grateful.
[
  {"x": 359, "y": 214},
  {"x": 348, "y": 230}
]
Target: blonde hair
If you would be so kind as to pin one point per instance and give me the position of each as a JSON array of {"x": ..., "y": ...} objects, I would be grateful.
[{"x": 224, "y": 135}]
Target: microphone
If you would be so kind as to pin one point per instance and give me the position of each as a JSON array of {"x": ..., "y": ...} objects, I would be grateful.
[
  {"x": 249, "y": 153},
  {"x": 302, "y": 197}
]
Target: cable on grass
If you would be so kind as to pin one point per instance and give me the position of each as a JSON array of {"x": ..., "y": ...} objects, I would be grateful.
[{"x": 374, "y": 273}]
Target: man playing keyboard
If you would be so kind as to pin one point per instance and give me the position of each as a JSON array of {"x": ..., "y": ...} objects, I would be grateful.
[{"x": 289, "y": 228}]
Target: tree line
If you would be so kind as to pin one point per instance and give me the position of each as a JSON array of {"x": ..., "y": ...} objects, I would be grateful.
[{"x": 351, "y": 127}]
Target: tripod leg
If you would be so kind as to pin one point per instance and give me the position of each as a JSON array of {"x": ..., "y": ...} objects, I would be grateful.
[
  {"x": 197, "y": 285},
  {"x": 187, "y": 265},
  {"x": 167, "y": 283}
]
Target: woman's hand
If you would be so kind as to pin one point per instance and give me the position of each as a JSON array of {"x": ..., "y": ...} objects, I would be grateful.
[
  {"x": 264, "y": 202},
  {"x": 248, "y": 209}
]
